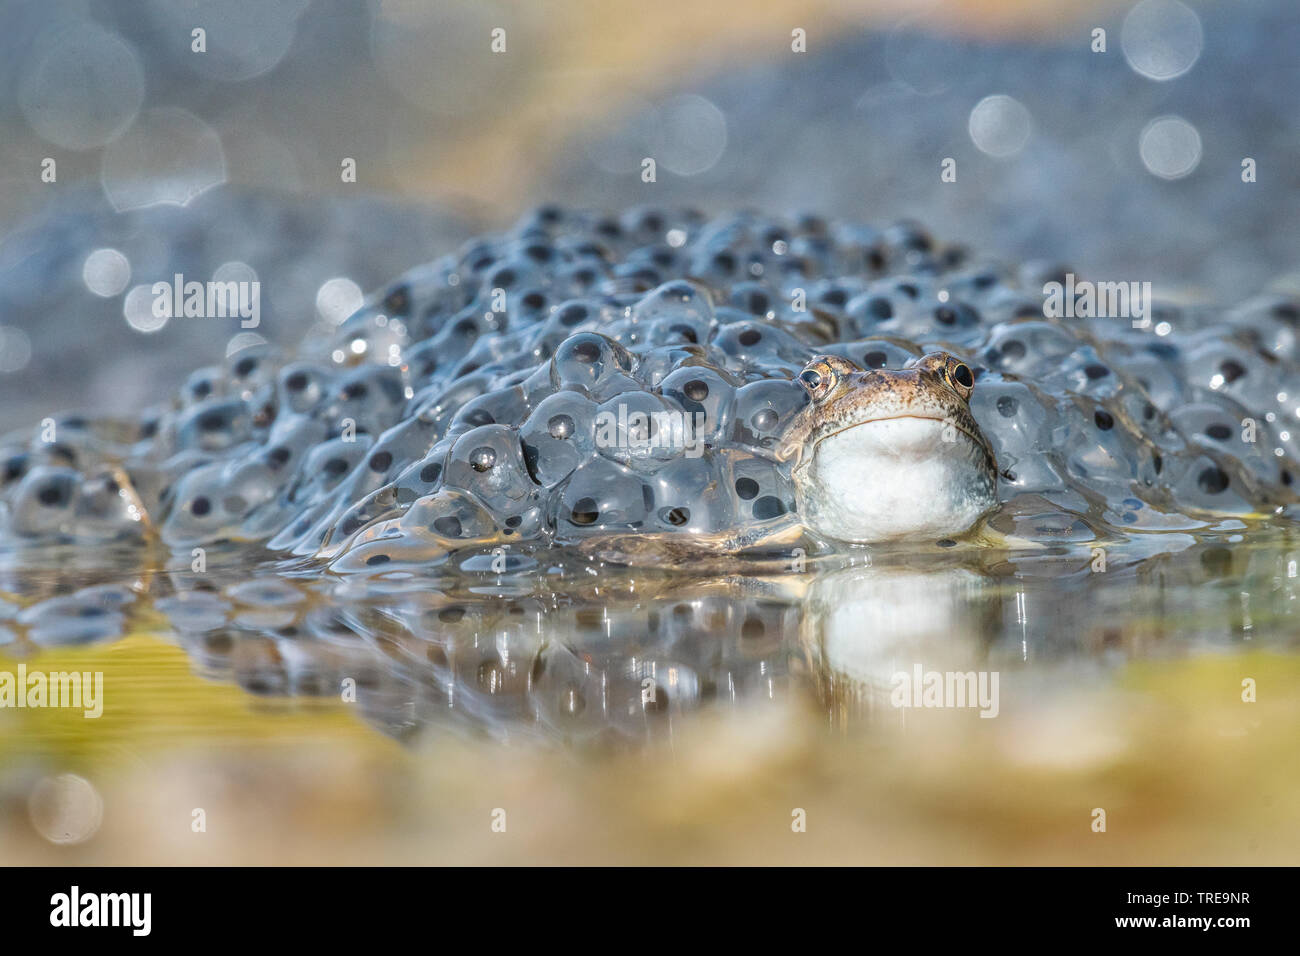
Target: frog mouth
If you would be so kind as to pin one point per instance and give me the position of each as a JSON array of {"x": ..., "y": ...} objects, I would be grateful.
[
  {"x": 977, "y": 439},
  {"x": 891, "y": 437}
]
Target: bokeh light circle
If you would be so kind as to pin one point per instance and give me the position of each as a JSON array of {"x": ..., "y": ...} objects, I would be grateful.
[
  {"x": 137, "y": 308},
  {"x": 694, "y": 135},
  {"x": 66, "y": 809},
  {"x": 168, "y": 156},
  {"x": 243, "y": 340},
  {"x": 81, "y": 86},
  {"x": 1170, "y": 147},
  {"x": 106, "y": 272},
  {"x": 242, "y": 38},
  {"x": 1161, "y": 39},
  {"x": 1000, "y": 125},
  {"x": 235, "y": 272},
  {"x": 338, "y": 298},
  {"x": 920, "y": 57},
  {"x": 15, "y": 349}
]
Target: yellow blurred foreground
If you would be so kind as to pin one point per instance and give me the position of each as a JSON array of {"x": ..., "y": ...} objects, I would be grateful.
[{"x": 1185, "y": 771}]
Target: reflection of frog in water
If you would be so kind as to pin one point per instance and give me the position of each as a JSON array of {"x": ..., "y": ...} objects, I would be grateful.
[
  {"x": 862, "y": 627},
  {"x": 877, "y": 456}
]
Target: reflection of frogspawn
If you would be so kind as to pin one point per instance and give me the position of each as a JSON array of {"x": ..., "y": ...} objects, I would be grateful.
[{"x": 618, "y": 667}]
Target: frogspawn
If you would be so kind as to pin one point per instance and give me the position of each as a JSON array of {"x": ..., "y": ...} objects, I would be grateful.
[{"x": 841, "y": 383}]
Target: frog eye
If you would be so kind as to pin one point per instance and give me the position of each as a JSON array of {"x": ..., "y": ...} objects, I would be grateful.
[
  {"x": 818, "y": 379},
  {"x": 960, "y": 378}
]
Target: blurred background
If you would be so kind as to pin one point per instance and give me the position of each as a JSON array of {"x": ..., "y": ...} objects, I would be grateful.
[
  {"x": 220, "y": 153},
  {"x": 413, "y": 90}
]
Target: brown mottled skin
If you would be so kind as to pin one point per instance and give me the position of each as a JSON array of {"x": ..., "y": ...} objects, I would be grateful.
[{"x": 849, "y": 395}]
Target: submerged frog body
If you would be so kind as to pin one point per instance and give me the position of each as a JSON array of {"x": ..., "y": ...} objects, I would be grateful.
[{"x": 741, "y": 383}]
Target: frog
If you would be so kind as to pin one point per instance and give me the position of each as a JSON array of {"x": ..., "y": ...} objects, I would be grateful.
[
  {"x": 876, "y": 456},
  {"x": 883, "y": 454}
]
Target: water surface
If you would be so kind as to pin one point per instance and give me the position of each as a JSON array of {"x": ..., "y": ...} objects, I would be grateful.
[{"x": 622, "y": 715}]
